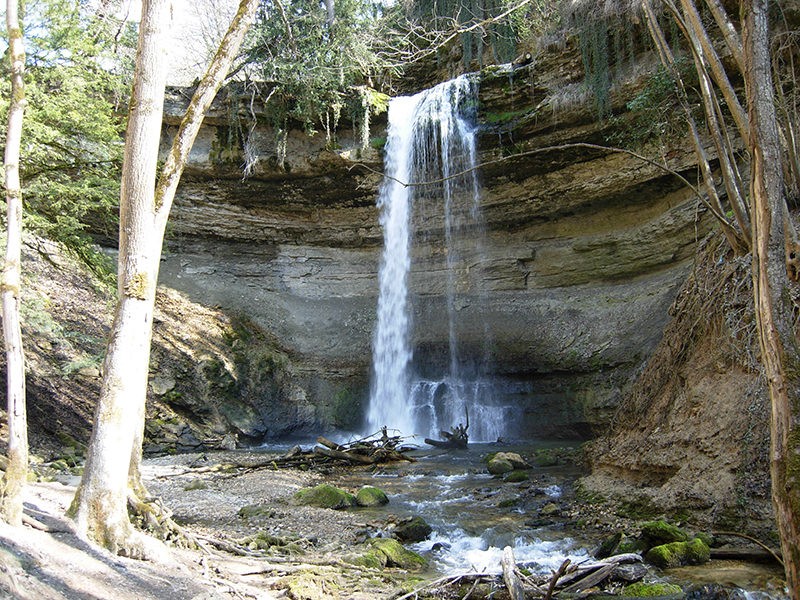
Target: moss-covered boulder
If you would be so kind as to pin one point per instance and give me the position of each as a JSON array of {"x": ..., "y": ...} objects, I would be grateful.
[
  {"x": 499, "y": 466},
  {"x": 517, "y": 476},
  {"x": 412, "y": 530},
  {"x": 372, "y": 559},
  {"x": 656, "y": 533},
  {"x": 499, "y": 463},
  {"x": 371, "y": 496},
  {"x": 652, "y": 590},
  {"x": 397, "y": 555},
  {"x": 676, "y": 554},
  {"x": 325, "y": 496}
]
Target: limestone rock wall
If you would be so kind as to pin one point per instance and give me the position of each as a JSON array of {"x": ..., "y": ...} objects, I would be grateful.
[{"x": 584, "y": 252}]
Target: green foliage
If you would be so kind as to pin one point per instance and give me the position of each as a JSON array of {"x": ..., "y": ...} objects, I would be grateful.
[
  {"x": 71, "y": 140},
  {"x": 317, "y": 69},
  {"x": 653, "y": 112}
]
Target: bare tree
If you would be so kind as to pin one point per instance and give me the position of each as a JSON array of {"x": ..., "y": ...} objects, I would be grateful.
[
  {"x": 16, "y": 471},
  {"x": 111, "y": 474},
  {"x": 779, "y": 351}
]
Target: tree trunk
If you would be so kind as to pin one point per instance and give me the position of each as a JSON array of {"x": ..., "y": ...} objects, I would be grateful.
[
  {"x": 779, "y": 351},
  {"x": 112, "y": 466},
  {"x": 100, "y": 504},
  {"x": 16, "y": 472}
]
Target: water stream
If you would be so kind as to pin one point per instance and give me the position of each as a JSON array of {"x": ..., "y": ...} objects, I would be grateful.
[{"x": 431, "y": 145}]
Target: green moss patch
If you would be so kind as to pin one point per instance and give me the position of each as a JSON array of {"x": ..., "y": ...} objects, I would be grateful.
[
  {"x": 652, "y": 590},
  {"x": 325, "y": 496},
  {"x": 371, "y": 496},
  {"x": 397, "y": 555}
]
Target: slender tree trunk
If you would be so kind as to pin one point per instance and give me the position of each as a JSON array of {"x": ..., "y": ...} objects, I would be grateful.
[
  {"x": 112, "y": 466},
  {"x": 779, "y": 351},
  {"x": 16, "y": 472},
  {"x": 100, "y": 504}
]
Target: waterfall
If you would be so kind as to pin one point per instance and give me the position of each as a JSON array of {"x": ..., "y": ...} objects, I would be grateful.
[{"x": 431, "y": 141}]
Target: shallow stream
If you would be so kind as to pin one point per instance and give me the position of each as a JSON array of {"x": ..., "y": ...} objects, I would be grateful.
[{"x": 474, "y": 515}]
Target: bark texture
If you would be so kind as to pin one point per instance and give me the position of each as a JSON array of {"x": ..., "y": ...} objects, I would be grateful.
[
  {"x": 100, "y": 504},
  {"x": 779, "y": 351},
  {"x": 112, "y": 465},
  {"x": 17, "y": 470}
]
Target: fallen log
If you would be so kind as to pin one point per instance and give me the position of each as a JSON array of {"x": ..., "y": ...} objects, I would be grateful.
[
  {"x": 346, "y": 456},
  {"x": 591, "y": 579},
  {"x": 451, "y": 444},
  {"x": 512, "y": 581}
]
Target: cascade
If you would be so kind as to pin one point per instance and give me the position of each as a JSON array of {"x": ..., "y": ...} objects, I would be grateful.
[{"x": 434, "y": 223}]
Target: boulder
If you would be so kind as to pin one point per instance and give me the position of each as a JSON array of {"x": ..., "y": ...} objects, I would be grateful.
[
  {"x": 412, "y": 530},
  {"x": 656, "y": 533},
  {"x": 325, "y": 496},
  {"x": 499, "y": 466},
  {"x": 676, "y": 554},
  {"x": 397, "y": 555},
  {"x": 371, "y": 496}
]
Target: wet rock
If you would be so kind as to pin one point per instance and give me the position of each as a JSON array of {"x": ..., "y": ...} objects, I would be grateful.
[
  {"x": 499, "y": 466},
  {"x": 397, "y": 555},
  {"x": 371, "y": 496},
  {"x": 325, "y": 496},
  {"x": 517, "y": 476},
  {"x": 412, "y": 530},
  {"x": 550, "y": 509}
]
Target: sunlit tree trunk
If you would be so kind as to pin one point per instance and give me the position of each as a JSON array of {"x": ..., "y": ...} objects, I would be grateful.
[
  {"x": 16, "y": 472},
  {"x": 111, "y": 473},
  {"x": 779, "y": 348}
]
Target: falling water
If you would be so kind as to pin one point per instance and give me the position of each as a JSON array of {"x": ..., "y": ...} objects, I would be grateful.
[{"x": 431, "y": 141}]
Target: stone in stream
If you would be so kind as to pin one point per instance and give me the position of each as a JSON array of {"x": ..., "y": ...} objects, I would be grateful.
[{"x": 414, "y": 529}]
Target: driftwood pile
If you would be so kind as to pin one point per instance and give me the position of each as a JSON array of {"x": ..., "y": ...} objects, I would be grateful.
[
  {"x": 366, "y": 451},
  {"x": 569, "y": 579}
]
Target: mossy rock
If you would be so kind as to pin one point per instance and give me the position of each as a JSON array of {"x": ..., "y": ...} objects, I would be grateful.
[
  {"x": 273, "y": 544},
  {"x": 413, "y": 530},
  {"x": 517, "y": 476},
  {"x": 656, "y": 533},
  {"x": 676, "y": 554},
  {"x": 255, "y": 510},
  {"x": 652, "y": 590},
  {"x": 499, "y": 466},
  {"x": 371, "y": 496},
  {"x": 325, "y": 496},
  {"x": 372, "y": 559},
  {"x": 697, "y": 552},
  {"x": 397, "y": 555}
]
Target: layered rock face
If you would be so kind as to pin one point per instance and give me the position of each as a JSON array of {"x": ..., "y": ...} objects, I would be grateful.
[{"x": 583, "y": 252}]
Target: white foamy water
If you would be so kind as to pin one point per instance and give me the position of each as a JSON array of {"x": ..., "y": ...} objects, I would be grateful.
[
  {"x": 431, "y": 144},
  {"x": 463, "y": 553}
]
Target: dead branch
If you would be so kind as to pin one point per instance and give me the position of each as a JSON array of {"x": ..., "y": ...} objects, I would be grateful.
[{"x": 513, "y": 584}]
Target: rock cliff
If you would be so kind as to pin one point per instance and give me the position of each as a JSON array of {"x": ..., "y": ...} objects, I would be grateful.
[{"x": 584, "y": 252}]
